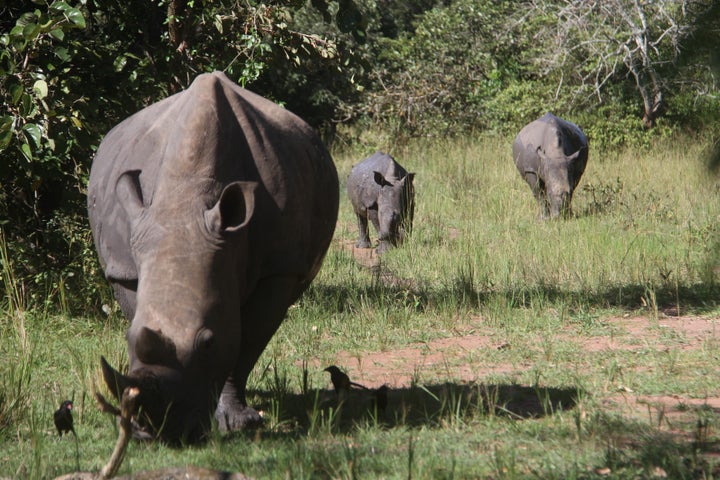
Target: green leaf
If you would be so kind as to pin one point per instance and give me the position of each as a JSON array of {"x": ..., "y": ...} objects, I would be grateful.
[
  {"x": 28, "y": 106},
  {"x": 57, "y": 34},
  {"x": 40, "y": 88},
  {"x": 60, "y": 6},
  {"x": 6, "y": 122},
  {"x": 16, "y": 91},
  {"x": 30, "y": 31},
  {"x": 62, "y": 54},
  {"x": 34, "y": 132},
  {"x": 26, "y": 19},
  {"x": 120, "y": 63},
  {"x": 25, "y": 149},
  {"x": 5, "y": 138},
  {"x": 76, "y": 17}
]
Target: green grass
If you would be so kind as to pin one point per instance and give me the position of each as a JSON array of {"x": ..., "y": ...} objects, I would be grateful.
[{"x": 645, "y": 241}]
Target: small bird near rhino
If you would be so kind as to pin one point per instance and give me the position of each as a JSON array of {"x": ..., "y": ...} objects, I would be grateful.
[
  {"x": 63, "y": 418},
  {"x": 340, "y": 380}
]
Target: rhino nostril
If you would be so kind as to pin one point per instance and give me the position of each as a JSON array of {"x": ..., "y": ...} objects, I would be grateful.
[{"x": 153, "y": 347}]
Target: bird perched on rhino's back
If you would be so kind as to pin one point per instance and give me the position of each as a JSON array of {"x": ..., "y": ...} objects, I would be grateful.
[
  {"x": 551, "y": 153},
  {"x": 63, "y": 418},
  {"x": 340, "y": 380}
]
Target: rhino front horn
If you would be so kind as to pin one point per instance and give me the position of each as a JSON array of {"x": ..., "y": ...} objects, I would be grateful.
[{"x": 116, "y": 381}]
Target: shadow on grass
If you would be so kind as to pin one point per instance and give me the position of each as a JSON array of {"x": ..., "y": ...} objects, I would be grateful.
[
  {"x": 696, "y": 299},
  {"x": 417, "y": 406},
  {"x": 631, "y": 448}
]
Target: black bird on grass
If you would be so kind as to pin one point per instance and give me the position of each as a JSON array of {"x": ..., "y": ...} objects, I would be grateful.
[
  {"x": 63, "y": 418},
  {"x": 341, "y": 381}
]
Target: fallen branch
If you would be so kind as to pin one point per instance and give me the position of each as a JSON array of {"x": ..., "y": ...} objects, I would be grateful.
[{"x": 127, "y": 408}]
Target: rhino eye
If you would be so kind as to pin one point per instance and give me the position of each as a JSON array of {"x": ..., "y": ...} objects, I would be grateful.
[{"x": 204, "y": 340}]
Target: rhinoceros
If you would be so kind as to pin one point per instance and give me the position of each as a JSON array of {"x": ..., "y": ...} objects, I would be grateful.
[
  {"x": 211, "y": 211},
  {"x": 381, "y": 190},
  {"x": 551, "y": 154}
]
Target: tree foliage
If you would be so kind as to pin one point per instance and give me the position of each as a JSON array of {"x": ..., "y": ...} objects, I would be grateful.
[
  {"x": 616, "y": 65},
  {"x": 73, "y": 69}
]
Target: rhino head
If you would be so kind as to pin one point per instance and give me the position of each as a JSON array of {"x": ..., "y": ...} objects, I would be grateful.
[
  {"x": 184, "y": 335},
  {"x": 556, "y": 172},
  {"x": 395, "y": 207}
]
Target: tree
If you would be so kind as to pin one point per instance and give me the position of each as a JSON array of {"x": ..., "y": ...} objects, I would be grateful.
[
  {"x": 597, "y": 43},
  {"x": 72, "y": 69}
]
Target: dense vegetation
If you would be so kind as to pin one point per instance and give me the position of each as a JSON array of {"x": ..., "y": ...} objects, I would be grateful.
[{"x": 70, "y": 70}]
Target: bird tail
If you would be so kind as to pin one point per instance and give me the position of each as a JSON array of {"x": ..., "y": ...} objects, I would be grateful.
[{"x": 353, "y": 384}]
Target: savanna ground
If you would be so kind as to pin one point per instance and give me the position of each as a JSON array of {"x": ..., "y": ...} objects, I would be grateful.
[{"x": 512, "y": 348}]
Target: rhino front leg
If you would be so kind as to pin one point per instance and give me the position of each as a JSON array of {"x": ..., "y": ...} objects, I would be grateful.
[
  {"x": 261, "y": 316},
  {"x": 538, "y": 190},
  {"x": 364, "y": 235}
]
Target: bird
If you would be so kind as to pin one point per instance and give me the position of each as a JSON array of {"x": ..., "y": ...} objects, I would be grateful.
[
  {"x": 63, "y": 418},
  {"x": 341, "y": 381}
]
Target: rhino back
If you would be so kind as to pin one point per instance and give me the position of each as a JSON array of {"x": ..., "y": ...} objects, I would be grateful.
[
  {"x": 556, "y": 136},
  {"x": 196, "y": 142}
]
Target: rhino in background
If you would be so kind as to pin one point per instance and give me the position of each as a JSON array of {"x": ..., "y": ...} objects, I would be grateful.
[
  {"x": 550, "y": 154},
  {"x": 381, "y": 190},
  {"x": 211, "y": 213}
]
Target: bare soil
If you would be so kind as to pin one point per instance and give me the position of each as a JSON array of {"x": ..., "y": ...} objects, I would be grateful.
[{"x": 398, "y": 368}]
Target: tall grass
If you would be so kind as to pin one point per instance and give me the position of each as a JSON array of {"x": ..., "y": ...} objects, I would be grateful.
[{"x": 643, "y": 241}]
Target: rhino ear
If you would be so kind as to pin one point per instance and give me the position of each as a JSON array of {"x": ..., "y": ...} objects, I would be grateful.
[
  {"x": 116, "y": 381},
  {"x": 541, "y": 153},
  {"x": 234, "y": 209},
  {"x": 380, "y": 180},
  {"x": 129, "y": 193}
]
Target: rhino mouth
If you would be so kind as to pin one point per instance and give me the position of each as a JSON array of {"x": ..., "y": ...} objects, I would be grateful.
[{"x": 163, "y": 412}]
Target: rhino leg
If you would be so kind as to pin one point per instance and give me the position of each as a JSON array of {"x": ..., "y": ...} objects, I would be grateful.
[
  {"x": 538, "y": 190},
  {"x": 262, "y": 314},
  {"x": 364, "y": 235}
]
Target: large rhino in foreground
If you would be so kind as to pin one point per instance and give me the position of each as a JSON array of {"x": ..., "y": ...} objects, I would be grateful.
[
  {"x": 551, "y": 154},
  {"x": 211, "y": 212}
]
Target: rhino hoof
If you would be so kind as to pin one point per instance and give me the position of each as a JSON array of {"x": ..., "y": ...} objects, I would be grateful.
[
  {"x": 239, "y": 420},
  {"x": 363, "y": 244}
]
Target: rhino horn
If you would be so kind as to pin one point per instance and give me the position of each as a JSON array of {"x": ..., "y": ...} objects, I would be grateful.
[
  {"x": 574, "y": 155},
  {"x": 116, "y": 381}
]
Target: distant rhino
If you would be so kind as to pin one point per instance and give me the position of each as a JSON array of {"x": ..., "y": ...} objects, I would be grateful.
[
  {"x": 551, "y": 154},
  {"x": 381, "y": 190},
  {"x": 211, "y": 211}
]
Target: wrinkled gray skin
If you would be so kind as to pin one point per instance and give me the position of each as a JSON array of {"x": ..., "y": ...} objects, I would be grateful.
[
  {"x": 382, "y": 191},
  {"x": 550, "y": 154},
  {"x": 211, "y": 211}
]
